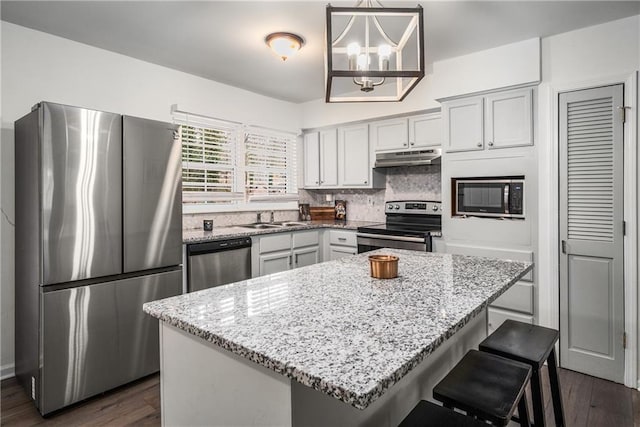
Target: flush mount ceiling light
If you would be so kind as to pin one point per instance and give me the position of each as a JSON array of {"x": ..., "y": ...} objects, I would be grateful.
[
  {"x": 284, "y": 44},
  {"x": 373, "y": 53}
]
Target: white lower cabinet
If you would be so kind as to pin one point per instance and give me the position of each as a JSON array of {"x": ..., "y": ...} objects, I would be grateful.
[
  {"x": 275, "y": 262},
  {"x": 284, "y": 251},
  {"x": 517, "y": 302},
  {"x": 337, "y": 252},
  {"x": 306, "y": 256},
  {"x": 438, "y": 245},
  {"x": 342, "y": 243}
]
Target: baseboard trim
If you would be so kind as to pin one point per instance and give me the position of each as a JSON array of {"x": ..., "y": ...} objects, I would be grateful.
[{"x": 7, "y": 371}]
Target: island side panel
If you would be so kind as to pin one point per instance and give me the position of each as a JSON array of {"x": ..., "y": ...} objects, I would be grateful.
[
  {"x": 203, "y": 384},
  {"x": 312, "y": 408}
]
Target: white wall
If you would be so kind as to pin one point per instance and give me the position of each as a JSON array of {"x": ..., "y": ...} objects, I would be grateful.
[
  {"x": 512, "y": 64},
  {"x": 37, "y": 66},
  {"x": 581, "y": 58}
]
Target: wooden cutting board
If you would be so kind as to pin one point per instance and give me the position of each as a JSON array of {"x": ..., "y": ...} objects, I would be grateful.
[{"x": 322, "y": 212}]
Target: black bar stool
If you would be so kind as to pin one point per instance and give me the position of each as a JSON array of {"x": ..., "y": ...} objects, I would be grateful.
[
  {"x": 532, "y": 345},
  {"x": 427, "y": 414},
  {"x": 487, "y": 387}
]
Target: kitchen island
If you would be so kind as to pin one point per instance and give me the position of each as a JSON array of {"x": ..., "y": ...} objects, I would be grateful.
[{"x": 324, "y": 344}]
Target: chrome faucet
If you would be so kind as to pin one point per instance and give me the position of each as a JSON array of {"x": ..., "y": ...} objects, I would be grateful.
[
  {"x": 271, "y": 217},
  {"x": 259, "y": 217}
]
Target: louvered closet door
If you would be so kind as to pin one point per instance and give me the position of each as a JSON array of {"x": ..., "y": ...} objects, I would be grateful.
[{"x": 591, "y": 233}]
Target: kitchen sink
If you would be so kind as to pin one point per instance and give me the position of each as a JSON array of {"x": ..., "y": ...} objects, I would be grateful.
[
  {"x": 260, "y": 225},
  {"x": 263, "y": 225},
  {"x": 290, "y": 223}
]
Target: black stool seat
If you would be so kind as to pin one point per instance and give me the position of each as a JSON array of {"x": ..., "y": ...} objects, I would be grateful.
[
  {"x": 487, "y": 386},
  {"x": 523, "y": 342},
  {"x": 427, "y": 414},
  {"x": 532, "y": 345}
]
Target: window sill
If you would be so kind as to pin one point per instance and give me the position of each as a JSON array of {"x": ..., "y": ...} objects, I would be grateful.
[{"x": 245, "y": 207}]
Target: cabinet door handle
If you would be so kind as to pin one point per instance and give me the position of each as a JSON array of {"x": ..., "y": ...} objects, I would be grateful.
[
  {"x": 317, "y": 182},
  {"x": 413, "y": 143},
  {"x": 366, "y": 182},
  {"x": 296, "y": 262},
  {"x": 479, "y": 144},
  {"x": 289, "y": 260},
  {"x": 490, "y": 144},
  {"x": 342, "y": 239},
  {"x": 405, "y": 144},
  {"x": 564, "y": 246}
]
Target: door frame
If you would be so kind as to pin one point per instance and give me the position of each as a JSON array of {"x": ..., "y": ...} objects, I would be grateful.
[{"x": 549, "y": 231}]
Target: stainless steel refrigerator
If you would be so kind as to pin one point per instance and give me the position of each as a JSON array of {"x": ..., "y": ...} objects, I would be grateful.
[{"x": 98, "y": 233}]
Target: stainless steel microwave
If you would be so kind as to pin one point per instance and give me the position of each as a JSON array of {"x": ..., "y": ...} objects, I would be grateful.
[{"x": 490, "y": 197}]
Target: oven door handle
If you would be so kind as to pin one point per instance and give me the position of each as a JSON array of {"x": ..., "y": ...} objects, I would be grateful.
[{"x": 387, "y": 237}]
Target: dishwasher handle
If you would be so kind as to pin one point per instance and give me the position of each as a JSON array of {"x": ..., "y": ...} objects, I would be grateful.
[{"x": 218, "y": 245}]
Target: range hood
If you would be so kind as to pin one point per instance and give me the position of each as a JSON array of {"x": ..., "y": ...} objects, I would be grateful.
[{"x": 409, "y": 158}]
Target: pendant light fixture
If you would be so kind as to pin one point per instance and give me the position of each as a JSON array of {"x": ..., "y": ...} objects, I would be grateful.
[
  {"x": 283, "y": 44},
  {"x": 373, "y": 53}
]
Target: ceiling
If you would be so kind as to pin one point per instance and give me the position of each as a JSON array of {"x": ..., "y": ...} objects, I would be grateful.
[{"x": 224, "y": 40}]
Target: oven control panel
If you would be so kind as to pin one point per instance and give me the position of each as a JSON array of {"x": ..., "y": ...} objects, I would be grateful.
[{"x": 414, "y": 207}]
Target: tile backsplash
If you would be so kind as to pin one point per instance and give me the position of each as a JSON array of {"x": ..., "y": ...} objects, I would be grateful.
[
  {"x": 194, "y": 221},
  {"x": 403, "y": 183}
]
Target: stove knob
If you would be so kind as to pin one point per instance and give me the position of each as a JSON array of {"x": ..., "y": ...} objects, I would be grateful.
[
  {"x": 397, "y": 206},
  {"x": 435, "y": 208}
]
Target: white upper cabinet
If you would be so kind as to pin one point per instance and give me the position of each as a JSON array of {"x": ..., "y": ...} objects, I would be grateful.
[
  {"x": 463, "y": 121},
  {"x": 328, "y": 158},
  {"x": 311, "y": 154},
  {"x": 497, "y": 120},
  {"x": 425, "y": 130},
  {"x": 340, "y": 158},
  {"x": 354, "y": 159},
  {"x": 320, "y": 159},
  {"x": 405, "y": 133},
  {"x": 509, "y": 119},
  {"x": 390, "y": 135}
]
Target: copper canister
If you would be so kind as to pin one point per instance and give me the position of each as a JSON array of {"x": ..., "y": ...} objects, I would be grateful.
[{"x": 383, "y": 266}]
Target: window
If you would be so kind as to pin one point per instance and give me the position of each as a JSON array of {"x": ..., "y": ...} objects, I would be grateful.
[
  {"x": 208, "y": 163},
  {"x": 270, "y": 165},
  {"x": 226, "y": 164}
]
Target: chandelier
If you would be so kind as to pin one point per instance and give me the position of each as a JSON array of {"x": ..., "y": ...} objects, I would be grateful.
[{"x": 373, "y": 53}]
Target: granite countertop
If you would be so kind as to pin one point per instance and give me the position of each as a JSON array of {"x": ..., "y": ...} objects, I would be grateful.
[
  {"x": 199, "y": 235},
  {"x": 332, "y": 327}
]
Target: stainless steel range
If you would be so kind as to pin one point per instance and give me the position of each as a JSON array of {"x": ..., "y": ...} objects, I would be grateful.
[{"x": 410, "y": 224}]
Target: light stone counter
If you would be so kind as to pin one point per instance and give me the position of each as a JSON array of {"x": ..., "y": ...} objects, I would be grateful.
[
  {"x": 333, "y": 328},
  {"x": 218, "y": 233}
]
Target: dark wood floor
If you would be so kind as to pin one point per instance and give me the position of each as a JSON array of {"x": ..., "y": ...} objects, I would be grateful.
[
  {"x": 135, "y": 404},
  {"x": 588, "y": 402}
]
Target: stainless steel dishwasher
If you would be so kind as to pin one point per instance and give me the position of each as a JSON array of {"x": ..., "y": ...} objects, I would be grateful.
[{"x": 218, "y": 262}]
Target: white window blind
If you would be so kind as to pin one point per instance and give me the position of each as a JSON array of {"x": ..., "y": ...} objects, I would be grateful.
[
  {"x": 269, "y": 165},
  {"x": 225, "y": 163},
  {"x": 209, "y": 161}
]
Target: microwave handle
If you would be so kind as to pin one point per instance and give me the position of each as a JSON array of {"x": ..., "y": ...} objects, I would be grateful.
[{"x": 506, "y": 198}]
